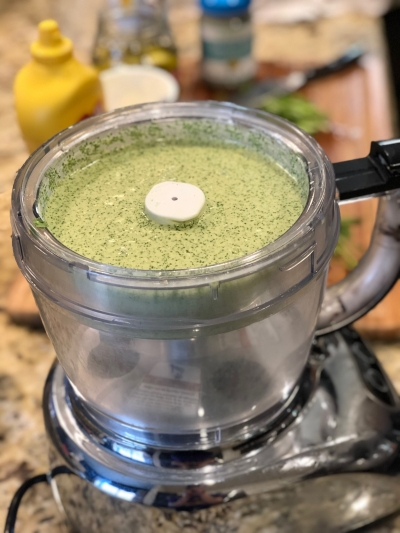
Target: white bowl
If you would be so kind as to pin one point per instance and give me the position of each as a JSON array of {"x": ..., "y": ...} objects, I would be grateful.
[{"x": 126, "y": 85}]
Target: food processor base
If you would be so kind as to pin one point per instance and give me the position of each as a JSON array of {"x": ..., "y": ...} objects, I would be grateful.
[{"x": 327, "y": 463}]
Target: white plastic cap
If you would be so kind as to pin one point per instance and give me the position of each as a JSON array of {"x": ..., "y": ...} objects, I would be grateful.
[{"x": 172, "y": 202}]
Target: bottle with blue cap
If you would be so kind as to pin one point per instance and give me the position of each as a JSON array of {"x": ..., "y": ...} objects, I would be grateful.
[{"x": 226, "y": 31}]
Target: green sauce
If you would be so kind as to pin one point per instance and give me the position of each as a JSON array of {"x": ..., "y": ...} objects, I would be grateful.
[{"x": 98, "y": 211}]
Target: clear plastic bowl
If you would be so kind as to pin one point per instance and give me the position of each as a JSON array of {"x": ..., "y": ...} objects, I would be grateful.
[{"x": 186, "y": 358}]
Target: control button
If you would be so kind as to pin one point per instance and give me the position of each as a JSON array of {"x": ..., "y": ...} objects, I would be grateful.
[
  {"x": 376, "y": 380},
  {"x": 373, "y": 376}
]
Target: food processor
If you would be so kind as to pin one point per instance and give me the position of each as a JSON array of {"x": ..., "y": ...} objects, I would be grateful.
[{"x": 226, "y": 398}]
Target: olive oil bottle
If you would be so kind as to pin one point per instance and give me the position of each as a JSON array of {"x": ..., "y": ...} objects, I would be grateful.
[{"x": 134, "y": 33}]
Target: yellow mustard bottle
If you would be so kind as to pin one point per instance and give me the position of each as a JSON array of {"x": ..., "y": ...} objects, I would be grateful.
[{"x": 54, "y": 90}]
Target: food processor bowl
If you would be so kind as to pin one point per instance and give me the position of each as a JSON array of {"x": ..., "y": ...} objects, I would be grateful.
[{"x": 185, "y": 358}]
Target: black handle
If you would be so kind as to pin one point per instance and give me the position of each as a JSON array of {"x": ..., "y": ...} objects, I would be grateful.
[
  {"x": 373, "y": 175},
  {"x": 349, "y": 58}
]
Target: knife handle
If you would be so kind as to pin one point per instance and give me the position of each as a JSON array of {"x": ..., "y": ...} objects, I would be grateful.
[{"x": 352, "y": 55}]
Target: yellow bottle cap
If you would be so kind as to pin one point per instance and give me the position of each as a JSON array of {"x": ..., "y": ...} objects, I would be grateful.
[{"x": 52, "y": 46}]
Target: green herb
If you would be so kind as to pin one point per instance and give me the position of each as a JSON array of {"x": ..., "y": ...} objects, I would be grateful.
[
  {"x": 298, "y": 110},
  {"x": 39, "y": 223}
]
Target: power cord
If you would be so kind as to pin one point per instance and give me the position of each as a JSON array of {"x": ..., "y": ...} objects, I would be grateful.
[{"x": 26, "y": 485}]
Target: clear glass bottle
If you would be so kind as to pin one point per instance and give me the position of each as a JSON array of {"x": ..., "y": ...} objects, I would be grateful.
[
  {"x": 134, "y": 33},
  {"x": 226, "y": 32}
]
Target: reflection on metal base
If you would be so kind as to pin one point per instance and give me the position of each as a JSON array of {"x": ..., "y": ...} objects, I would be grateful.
[
  {"x": 331, "y": 504},
  {"x": 327, "y": 464}
]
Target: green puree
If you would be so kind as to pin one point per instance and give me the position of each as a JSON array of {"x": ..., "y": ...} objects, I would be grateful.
[{"x": 98, "y": 211}]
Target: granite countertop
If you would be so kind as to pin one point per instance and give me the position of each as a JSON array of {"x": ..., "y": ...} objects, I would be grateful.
[{"x": 26, "y": 355}]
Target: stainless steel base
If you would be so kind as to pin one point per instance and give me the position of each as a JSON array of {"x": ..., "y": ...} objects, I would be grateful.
[
  {"x": 332, "y": 504},
  {"x": 328, "y": 464}
]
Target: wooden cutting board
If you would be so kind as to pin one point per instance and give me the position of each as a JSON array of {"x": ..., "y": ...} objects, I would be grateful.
[{"x": 357, "y": 100}]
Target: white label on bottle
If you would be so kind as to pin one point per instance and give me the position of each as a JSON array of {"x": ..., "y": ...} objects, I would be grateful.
[
  {"x": 228, "y": 72},
  {"x": 227, "y": 53}
]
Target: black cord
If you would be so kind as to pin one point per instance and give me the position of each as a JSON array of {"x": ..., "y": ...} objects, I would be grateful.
[
  {"x": 13, "y": 509},
  {"x": 26, "y": 485}
]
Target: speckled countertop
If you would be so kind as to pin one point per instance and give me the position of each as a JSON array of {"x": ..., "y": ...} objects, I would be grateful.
[{"x": 26, "y": 355}]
